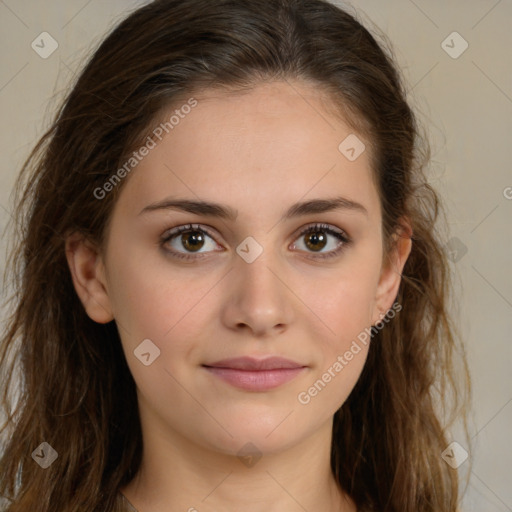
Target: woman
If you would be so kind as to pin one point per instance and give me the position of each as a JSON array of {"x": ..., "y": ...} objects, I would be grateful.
[{"x": 229, "y": 290}]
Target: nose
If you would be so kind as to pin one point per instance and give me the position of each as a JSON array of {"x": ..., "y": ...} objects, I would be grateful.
[{"x": 259, "y": 298}]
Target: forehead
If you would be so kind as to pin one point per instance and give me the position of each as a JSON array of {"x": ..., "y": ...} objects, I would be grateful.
[{"x": 270, "y": 146}]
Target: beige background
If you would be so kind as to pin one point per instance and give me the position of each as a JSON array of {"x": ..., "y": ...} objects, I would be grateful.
[{"x": 466, "y": 103}]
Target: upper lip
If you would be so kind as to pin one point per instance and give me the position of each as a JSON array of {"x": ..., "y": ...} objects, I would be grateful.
[{"x": 251, "y": 363}]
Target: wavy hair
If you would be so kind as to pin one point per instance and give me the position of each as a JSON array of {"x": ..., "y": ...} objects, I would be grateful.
[{"x": 389, "y": 434}]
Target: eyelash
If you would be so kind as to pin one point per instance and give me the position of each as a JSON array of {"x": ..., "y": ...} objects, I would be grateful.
[{"x": 340, "y": 235}]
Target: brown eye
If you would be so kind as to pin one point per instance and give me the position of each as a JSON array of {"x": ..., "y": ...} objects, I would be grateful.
[
  {"x": 316, "y": 238},
  {"x": 192, "y": 240},
  {"x": 184, "y": 241}
]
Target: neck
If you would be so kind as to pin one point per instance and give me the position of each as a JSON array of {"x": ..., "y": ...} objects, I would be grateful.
[{"x": 178, "y": 475}]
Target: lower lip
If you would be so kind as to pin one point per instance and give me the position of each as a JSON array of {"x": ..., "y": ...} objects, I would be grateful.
[{"x": 261, "y": 380}]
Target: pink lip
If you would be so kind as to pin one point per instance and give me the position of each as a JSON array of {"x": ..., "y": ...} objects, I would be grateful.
[
  {"x": 256, "y": 374},
  {"x": 251, "y": 363}
]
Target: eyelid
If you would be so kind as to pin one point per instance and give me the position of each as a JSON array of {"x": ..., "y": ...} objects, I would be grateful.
[
  {"x": 341, "y": 234},
  {"x": 321, "y": 226},
  {"x": 172, "y": 232}
]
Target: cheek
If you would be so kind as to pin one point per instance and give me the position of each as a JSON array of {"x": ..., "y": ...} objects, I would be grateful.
[
  {"x": 148, "y": 300},
  {"x": 342, "y": 345},
  {"x": 342, "y": 336},
  {"x": 169, "y": 308},
  {"x": 343, "y": 302}
]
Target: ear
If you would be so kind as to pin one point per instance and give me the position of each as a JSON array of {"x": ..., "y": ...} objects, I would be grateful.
[
  {"x": 88, "y": 274},
  {"x": 391, "y": 274}
]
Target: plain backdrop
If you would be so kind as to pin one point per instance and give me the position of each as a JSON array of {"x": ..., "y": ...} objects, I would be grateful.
[{"x": 463, "y": 97}]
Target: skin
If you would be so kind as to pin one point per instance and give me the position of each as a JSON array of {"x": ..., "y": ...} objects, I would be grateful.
[{"x": 259, "y": 153}]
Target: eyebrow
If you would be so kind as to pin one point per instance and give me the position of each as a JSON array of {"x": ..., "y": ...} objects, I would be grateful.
[{"x": 209, "y": 209}]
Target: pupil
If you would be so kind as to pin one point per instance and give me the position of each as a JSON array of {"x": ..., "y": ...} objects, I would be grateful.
[
  {"x": 189, "y": 240},
  {"x": 316, "y": 238}
]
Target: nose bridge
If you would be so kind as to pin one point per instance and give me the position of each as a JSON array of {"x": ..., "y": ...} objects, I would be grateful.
[
  {"x": 260, "y": 298},
  {"x": 258, "y": 277}
]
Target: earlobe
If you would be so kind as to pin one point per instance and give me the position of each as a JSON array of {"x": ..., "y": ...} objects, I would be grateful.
[
  {"x": 391, "y": 275},
  {"x": 88, "y": 275}
]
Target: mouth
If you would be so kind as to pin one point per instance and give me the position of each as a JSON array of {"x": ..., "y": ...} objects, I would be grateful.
[{"x": 253, "y": 374}]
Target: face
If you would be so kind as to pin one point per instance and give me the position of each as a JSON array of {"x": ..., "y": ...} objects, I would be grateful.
[{"x": 261, "y": 283}]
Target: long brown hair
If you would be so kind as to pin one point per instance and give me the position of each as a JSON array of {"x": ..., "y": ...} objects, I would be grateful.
[{"x": 76, "y": 392}]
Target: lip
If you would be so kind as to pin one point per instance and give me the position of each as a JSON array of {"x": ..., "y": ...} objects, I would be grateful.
[
  {"x": 256, "y": 374},
  {"x": 252, "y": 363}
]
